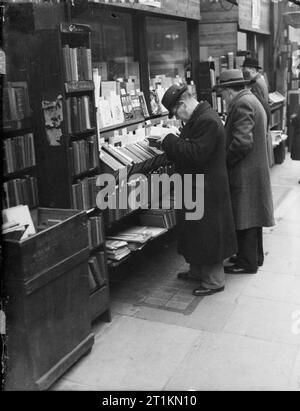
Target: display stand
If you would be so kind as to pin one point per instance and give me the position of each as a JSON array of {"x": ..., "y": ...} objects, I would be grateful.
[{"x": 48, "y": 318}]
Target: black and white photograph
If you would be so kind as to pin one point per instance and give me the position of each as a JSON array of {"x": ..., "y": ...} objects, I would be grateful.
[{"x": 150, "y": 198}]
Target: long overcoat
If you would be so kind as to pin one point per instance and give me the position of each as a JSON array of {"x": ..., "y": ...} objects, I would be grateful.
[
  {"x": 247, "y": 161},
  {"x": 201, "y": 150},
  {"x": 295, "y": 149}
]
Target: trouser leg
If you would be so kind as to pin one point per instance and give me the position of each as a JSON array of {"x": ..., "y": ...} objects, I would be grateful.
[
  {"x": 195, "y": 270},
  {"x": 247, "y": 248},
  {"x": 260, "y": 247},
  {"x": 213, "y": 276}
]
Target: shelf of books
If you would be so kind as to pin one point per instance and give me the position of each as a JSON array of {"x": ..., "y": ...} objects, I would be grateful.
[
  {"x": 68, "y": 150},
  {"x": 126, "y": 130},
  {"x": 83, "y": 150},
  {"x": 123, "y": 241},
  {"x": 19, "y": 161}
]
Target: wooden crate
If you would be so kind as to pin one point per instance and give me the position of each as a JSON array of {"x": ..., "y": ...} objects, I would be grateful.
[{"x": 48, "y": 314}]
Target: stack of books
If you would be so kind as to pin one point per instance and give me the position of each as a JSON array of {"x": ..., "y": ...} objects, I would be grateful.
[
  {"x": 79, "y": 114},
  {"x": 18, "y": 153},
  {"x": 15, "y": 101},
  {"x": 117, "y": 250},
  {"x": 84, "y": 193},
  {"x": 134, "y": 236},
  {"x": 21, "y": 191},
  {"x": 77, "y": 63},
  {"x": 84, "y": 155},
  {"x": 138, "y": 158}
]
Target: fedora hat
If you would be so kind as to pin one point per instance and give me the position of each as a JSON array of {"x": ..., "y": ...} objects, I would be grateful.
[
  {"x": 251, "y": 62},
  {"x": 232, "y": 77},
  {"x": 171, "y": 97}
]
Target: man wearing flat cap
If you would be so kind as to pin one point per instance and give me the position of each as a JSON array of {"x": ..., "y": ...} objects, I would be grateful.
[
  {"x": 248, "y": 170},
  {"x": 200, "y": 149}
]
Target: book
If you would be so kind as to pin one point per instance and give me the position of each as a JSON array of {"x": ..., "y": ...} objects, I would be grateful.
[
  {"x": 143, "y": 103},
  {"x": 92, "y": 280},
  {"x": 114, "y": 245},
  {"x": 134, "y": 234},
  {"x": 104, "y": 116},
  {"x": 117, "y": 256},
  {"x": 126, "y": 102},
  {"x": 108, "y": 88},
  {"x": 137, "y": 106},
  {"x": 116, "y": 108},
  {"x": 96, "y": 272},
  {"x": 21, "y": 215}
]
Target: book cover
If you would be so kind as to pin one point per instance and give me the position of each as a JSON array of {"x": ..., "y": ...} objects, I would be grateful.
[
  {"x": 137, "y": 107},
  {"x": 21, "y": 215},
  {"x": 104, "y": 116},
  {"x": 116, "y": 109}
]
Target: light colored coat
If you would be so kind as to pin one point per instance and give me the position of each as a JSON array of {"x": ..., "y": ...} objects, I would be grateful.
[
  {"x": 260, "y": 88},
  {"x": 247, "y": 162}
]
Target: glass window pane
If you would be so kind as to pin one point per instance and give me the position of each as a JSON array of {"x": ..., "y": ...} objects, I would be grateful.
[
  {"x": 112, "y": 44},
  {"x": 167, "y": 47}
]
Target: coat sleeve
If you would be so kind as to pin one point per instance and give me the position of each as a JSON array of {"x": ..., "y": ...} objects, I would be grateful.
[
  {"x": 241, "y": 134},
  {"x": 197, "y": 150}
]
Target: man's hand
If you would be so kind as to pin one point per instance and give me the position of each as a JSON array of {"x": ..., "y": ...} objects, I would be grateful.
[{"x": 156, "y": 141}]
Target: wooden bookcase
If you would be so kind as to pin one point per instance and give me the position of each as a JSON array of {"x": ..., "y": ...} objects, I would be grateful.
[
  {"x": 67, "y": 148},
  {"x": 19, "y": 165}
]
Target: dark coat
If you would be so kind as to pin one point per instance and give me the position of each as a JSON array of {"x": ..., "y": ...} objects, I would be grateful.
[
  {"x": 295, "y": 148},
  {"x": 201, "y": 150},
  {"x": 247, "y": 161}
]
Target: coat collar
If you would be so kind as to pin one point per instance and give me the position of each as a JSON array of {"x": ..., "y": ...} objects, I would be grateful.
[
  {"x": 200, "y": 109},
  {"x": 237, "y": 97},
  {"x": 257, "y": 77}
]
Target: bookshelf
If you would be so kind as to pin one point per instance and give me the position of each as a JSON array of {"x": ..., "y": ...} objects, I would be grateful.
[
  {"x": 68, "y": 147},
  {"x": 19, "y": 160}
]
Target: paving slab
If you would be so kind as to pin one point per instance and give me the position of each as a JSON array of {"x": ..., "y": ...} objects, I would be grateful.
[{"x": 230, "y": 362}]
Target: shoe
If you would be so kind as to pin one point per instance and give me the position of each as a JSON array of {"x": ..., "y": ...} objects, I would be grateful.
[
  {"x": 202, "y": 291},
  {"x": 235, "y": 269},
  {"x": 233, "y": 260},
  {"x": 187, "y": 276}
]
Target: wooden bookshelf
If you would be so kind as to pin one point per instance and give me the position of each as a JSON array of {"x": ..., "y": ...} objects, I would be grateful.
[
  {"x": 19, "y": 148},
  {"x": 63, "y": 92}
]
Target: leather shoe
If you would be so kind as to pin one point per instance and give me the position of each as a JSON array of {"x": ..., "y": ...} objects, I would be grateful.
[
  {"x": 235, "y": 269},
  {"x": 202, "y": 291},
  {"x": 187, "y": 276},
  {"x": 233, "y": 260}
]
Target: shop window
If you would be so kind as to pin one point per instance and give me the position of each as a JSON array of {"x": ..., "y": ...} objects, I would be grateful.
[
  {"x": 112, "y": 45},
  {"x": 167, "y": 46}
]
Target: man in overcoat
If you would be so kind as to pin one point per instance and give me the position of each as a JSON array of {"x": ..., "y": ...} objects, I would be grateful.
[
  {"x": 248, "y": 169},
  {"x": 200, "y": 149},
  {"x": 258, "y": 84}
]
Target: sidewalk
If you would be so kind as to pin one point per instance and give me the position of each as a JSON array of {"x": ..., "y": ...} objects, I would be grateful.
[{"x": 163, "y": 338}]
